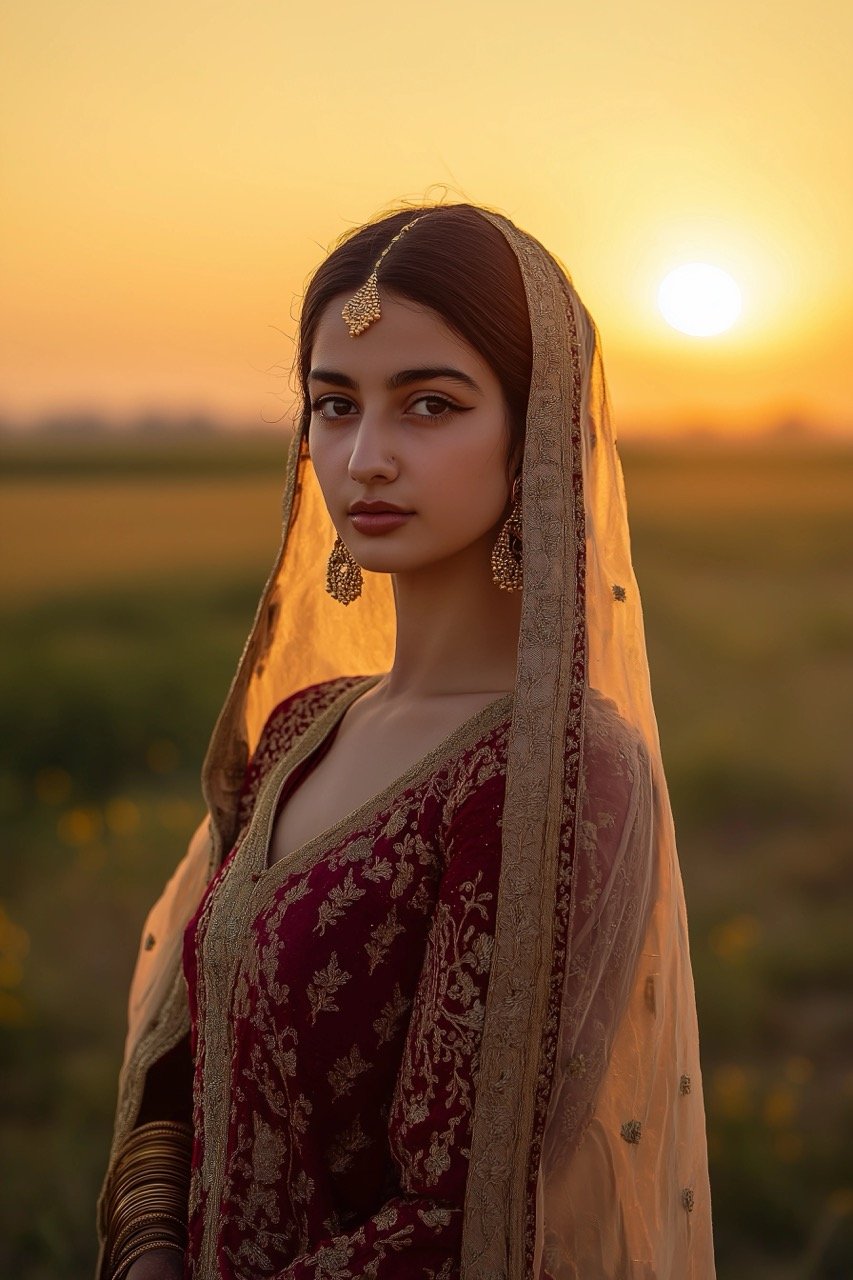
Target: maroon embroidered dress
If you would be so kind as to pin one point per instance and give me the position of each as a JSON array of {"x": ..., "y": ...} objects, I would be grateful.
[{"x": 336, "y": 1003}]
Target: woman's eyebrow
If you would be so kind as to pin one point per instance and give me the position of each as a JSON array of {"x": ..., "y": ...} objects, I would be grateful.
[{"x": 401, "y": 379}]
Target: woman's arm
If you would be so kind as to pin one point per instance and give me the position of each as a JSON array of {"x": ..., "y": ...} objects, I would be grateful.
[
  {"x": 157, "y": 1264},
  {"x": 167, "y": 1096}
]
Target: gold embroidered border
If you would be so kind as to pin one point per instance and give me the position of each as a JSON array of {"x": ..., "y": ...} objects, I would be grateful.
[{"x": 548, "y": 710}]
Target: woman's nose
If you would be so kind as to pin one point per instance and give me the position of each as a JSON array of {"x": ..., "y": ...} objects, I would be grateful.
[{"x": 372, "y": 450}]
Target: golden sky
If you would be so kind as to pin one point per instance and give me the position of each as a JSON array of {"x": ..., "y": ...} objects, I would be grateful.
[{"x": 173, "y": 172}]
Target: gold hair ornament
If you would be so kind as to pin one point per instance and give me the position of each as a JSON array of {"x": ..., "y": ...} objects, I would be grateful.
[{"x": 363, "y": 307}]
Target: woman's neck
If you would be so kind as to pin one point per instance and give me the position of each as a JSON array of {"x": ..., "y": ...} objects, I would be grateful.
[{"x": 457, "y": 632}]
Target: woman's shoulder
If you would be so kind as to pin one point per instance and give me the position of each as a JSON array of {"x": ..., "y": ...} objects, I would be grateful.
[
  {"x": 284, "y": 726},
  {"x": 616, "y": 769},
  {"x": 611, "y": 742},
  {"x": 291, "y": 717}
]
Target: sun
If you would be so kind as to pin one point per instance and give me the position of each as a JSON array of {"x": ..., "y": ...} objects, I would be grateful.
[{"x": 699, "y": 299}]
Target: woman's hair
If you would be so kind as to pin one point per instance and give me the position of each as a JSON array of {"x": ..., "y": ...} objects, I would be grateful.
[{"x": 454, "y": 261}]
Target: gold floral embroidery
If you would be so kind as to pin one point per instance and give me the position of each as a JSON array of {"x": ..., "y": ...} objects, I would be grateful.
[
  {"x": 302, "y": 1187},
  {"x": 380, "y": 869},
  {"x": 445, "y": 1028},
  {"x": 415, "y": 849},
  {"x": 300, "y": 1111},
  {"x": 268, "y": 1153},
  {"x": 392, "y": 1011},
  {"x": 381, "y": 938},
  {"x": 435, "y": 1217},
  {"x": 684, "y": 1084},
  {"x": 687, "y": 1199},
  {"x": 346, "y": 1071},
  {"x": 423, "y": 899},
  {"x": 340, "y": 897},
  {"x": 331, "y": 1259},
  {"x": 324, "y": 986},
  {"x": 438, "y": 1160},
  {"x": 403, "y": 877},
  {"x": 386, "y": 1217},
  {"x": 395, "y": 824},
  {"x": 346, "y": 1146},
  {"x": 299, "y": 889}
]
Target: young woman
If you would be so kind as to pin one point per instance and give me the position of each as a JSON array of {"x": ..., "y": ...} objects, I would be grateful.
[{"x": 418, "y": 1002}]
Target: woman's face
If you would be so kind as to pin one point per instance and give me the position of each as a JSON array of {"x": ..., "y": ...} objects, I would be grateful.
[{"x": 407, "y": 413}]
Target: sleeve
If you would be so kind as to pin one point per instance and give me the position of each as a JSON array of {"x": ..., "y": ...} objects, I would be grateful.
[
  {"x": 416, "y": 1234},
  {"x": 613, "y": 892},
  {"x": 169, "y": 1087}
]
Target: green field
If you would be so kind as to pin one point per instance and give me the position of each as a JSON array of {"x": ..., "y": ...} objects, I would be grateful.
[{"x": 128, "y": 580}]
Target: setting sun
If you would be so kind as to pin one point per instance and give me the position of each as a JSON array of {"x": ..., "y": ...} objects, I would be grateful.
[
  {"x": 162, "y": 214},
  {"x": 699, "y": 299}
]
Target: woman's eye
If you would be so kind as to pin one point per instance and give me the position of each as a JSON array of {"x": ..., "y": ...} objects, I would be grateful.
[
  {"x": 335, "y": 402},
  {"x": 438, "y": 406}
]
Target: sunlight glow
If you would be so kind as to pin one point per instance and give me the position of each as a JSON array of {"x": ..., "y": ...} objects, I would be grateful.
[{"x": 699, "y": 299}]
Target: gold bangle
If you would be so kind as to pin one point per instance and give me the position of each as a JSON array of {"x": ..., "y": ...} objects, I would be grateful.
[
  {"x": 156, "y": 1127},
  {"x": 163, "y": 1223},
  {"x": 125, "y": 1263},
  {"x": 147, "y": 1240},
  {"x": 148, "y": 1199},
  {"x": 147, "y": 1211},
  {"x": 148, "y": 1192},
  {"x": 139, "y": 1155},
  {"x": 171, "y": 1170}
]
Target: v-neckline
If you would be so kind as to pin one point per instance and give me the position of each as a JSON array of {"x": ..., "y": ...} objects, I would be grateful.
[{"x": 486, "y": 718}]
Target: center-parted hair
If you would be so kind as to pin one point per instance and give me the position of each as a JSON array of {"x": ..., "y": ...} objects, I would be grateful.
[{"x": 457, "y": 263}]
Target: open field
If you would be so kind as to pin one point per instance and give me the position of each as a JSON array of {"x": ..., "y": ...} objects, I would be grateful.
[{"x": 128, "y": 581}]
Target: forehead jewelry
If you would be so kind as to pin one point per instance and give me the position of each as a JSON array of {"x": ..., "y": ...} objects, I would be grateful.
[{"x": 363, "y": 307}]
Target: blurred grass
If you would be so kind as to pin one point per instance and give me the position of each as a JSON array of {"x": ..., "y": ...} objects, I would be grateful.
[{"x": 129, "y": 579}]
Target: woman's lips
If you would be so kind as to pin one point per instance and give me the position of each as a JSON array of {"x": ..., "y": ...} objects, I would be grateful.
[{"x": 379, "y": 521}]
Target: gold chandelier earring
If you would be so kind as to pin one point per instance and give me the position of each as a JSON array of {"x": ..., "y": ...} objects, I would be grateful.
[
  {"x": 343, "y": 574},
  {"x": 507, "y": 551}
]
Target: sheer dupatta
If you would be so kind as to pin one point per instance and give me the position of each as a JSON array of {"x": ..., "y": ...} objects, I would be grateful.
[{"x": 588, "y": 1156}]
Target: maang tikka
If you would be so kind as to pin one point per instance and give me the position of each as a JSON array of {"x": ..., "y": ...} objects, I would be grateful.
[{"x": 363, "y": 307}]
